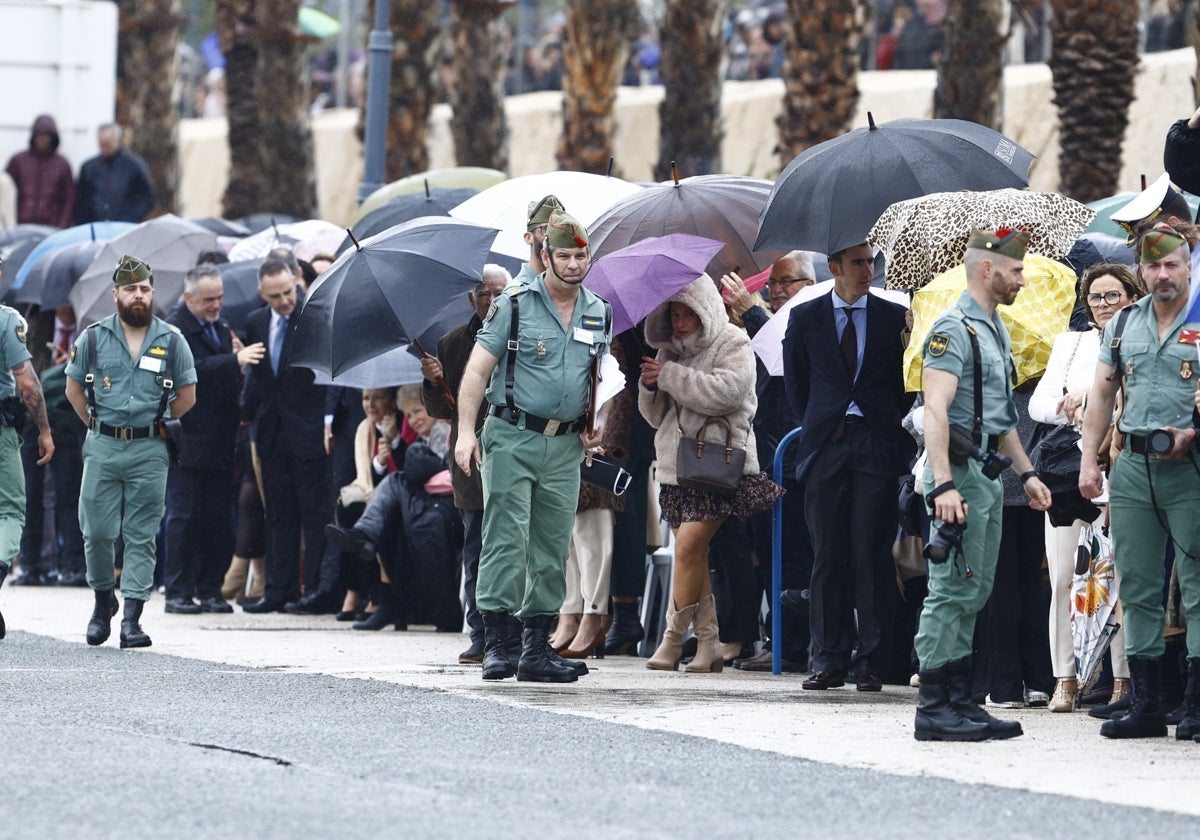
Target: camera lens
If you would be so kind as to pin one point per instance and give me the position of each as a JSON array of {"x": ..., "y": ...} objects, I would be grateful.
[{"x": 1160, "y": 442}]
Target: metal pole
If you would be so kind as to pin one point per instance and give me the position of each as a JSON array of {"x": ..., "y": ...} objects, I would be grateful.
[
  {"x": 777, "y": 555},
  {"x": 379, "y": 72},
  {"x": 343, "y": 54}
]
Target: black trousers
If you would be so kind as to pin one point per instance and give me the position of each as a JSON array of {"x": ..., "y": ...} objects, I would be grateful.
[
  {"x": 199, "y": 531},
  {"x": 298, "y": 500},
  {"x": 850, "y": 508},
  {"x": 66, "y": 470},
  {"x": 796, "y": 560},
  {"x": 735, "y": 582}
]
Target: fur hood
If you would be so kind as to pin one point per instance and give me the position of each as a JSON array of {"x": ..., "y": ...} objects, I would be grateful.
[{"x": 702, "y": 297}]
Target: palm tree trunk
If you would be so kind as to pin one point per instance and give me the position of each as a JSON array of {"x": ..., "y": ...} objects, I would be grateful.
[
  {"x": 820, "y": 73},
  {"x": 598, "y": 38},
  {"x": 690, "y": 130},
  {"x": 148, "y": 43},
  {"x": 478, "y": 123},
  {"x": 283, "y": 100},
  {"x": 413, "y": 24},
  {"x": 970, "y": 70},
  {"x": 237, "y": 27},
  {"x": 1094, "y": 58}
]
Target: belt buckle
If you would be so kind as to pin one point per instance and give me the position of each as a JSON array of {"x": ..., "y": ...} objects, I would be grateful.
[
  {"x": 123, "y": 432},
  {"x": 551, "y": 429}
]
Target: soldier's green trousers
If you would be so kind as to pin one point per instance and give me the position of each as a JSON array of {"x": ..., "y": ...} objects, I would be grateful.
[
  {"x": 129, "y": 475},
  {"x": 1140, "y": 544},
  {"x": 530, "y": 494},
  {"x": 948, "y": 617},
  {"x": 12, "y": 495}
]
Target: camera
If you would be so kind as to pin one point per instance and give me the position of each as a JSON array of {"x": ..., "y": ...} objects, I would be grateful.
[
  {"x": 947, "y": 539},
  {"x": 993, "y": 462},
  {"x": 1159, "y": 442}
]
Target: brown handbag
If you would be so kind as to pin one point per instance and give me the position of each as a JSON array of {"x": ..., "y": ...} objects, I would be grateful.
[{"x": 704, "y": 465}]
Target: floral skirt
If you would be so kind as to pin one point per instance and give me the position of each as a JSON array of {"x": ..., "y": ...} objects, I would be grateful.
[{"x": 682, "y": 504}]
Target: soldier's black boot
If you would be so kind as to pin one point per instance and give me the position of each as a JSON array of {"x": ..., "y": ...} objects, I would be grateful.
[
  {"x": 100, "y": 625},
  {"x": 496, "y": 665},
  {"x": 936, "y": 719},
  {"x": 3, "y": 575},
  {"x": 132, "y": 634},
  {"x": 535, "y": 664},
  {"x": 513, "y": 644},
  {"x": 961, "y": 702},
  {"x": 1189, "y": 725},
  {"x": 1146, "y": 717}
]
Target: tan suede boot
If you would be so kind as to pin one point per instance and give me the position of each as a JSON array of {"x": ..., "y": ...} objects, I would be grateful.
[
  {"x": 670, "y": 649},
  {"x": 234, "y": 584},
  {"x": 258, "y": 578},
  {"x": 1066, "y": 689},
  {"x": 708, "y": 658}
]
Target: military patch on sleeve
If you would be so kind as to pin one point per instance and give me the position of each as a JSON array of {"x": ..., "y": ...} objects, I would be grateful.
[
  {"x": 938, "y": 342},
  {"x": 74, "y": 347},
  {"x": 490, "y": 313},
  {"x": 20, "y": 331}
]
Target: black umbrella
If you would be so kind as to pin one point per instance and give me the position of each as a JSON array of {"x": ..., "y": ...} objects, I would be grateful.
[
  {"x": 402, "y": 208},
  {"x": 830, "y": 195},
  {"x": 49, "y": 283},
  {"x": 257, "y": 222},
  {"x": 222, "y": 227},
  {"x": 240, "y": 282},
  {"x": 721, "y": 207},
  {"x": 14, "y": 257},
  {"x": 388, "y": 290}
]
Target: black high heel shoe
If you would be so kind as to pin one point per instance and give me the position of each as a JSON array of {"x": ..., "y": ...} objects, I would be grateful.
[
  {"x": 626, "y": 631},
  {"x": 387, "y": 613}
]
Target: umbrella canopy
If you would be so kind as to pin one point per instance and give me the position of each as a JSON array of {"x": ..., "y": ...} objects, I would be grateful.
[
  {"x": 387, "y": 370},
  {"x": 830, "y": 195},
  {"x": 432, "y": 202},
  {"x": 258, "y": 245},
  {"x": 450, "y": 178},
  {"x": 1041, "y": 311},
  {"x": 923, "y": 237},
  {"x": 19, "y": 233},
  {"x": 16, "y": 244},
  {"x": 1093, "y": 601},
  {"x": 257, "y": 222},
  {"x": 50, "y": 282},
  {"x": 93, "y": 230},
  {"x": 768, "y": 341},
  {"x": 387, "y": 291},
  {"x": 1110, "y": 248},
  {"x": 720, "y": 207},
  {"x": 640, "y": 276},
  {"x": 222, "y": 227},
  {"x": 240, "y": 283},
  {"x": 506, "y": 205},
  {"x": 168, "y": 244},
  {"x": 1105, "y": 207}
]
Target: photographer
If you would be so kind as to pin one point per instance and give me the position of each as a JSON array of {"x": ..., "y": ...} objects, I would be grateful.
[{"x": 969, "y": 420}]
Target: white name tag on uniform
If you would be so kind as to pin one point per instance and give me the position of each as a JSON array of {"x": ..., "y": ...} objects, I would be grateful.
[
  {"x": 151, "y": 364},
  {"x": 583, "y": 335}
]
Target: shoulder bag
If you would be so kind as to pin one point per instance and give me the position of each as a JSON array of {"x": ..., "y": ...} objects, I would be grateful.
[{"x": 705, "y": 465}]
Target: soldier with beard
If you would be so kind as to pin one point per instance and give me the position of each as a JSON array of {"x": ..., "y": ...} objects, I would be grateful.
[{"x": 127, "y": 374}]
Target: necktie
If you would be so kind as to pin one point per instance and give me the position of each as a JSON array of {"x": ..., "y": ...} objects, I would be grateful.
[
  {"x": 277, "y": 349},
  {"x": 212, "y": 333},
  {"x": 849, "y": 344}
]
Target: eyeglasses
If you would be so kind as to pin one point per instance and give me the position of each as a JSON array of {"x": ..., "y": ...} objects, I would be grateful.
[
  {"x": 786, "y": 281},
  {"x": 1112, "y": 298}
]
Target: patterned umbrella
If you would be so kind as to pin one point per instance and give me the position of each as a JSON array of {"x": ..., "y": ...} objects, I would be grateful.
[
  {"x": 1093, "y": 602},
  {"x": 923, "y": 237},
  {"x": 1041, "y": 312}
]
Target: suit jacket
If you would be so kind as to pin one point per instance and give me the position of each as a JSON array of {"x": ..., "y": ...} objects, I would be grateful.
[
  {"x": 287, "y": 409},
  {"x": 819, "y": 387},
  {"x": 454, "y": 349},
  {"x": 210, "y": 428}
]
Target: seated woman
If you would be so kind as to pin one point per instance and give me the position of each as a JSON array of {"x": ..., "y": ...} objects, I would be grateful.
[{"x": 411, "y": 525}]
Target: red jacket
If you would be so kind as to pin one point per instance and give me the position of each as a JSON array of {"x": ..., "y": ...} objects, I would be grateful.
[{"x": 45, "y": 185}]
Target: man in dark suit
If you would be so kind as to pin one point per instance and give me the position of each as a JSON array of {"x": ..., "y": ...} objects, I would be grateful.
[
  {"x": 287, "y": 412},
  {"x": 199, "y": 527},
  {"x": 843, "y": 356}
]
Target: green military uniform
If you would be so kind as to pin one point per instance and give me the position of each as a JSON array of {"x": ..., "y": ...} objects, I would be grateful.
[
  {"x": 948, "y": 618},
  {"x": 124, "y": 458},
  {"x": 13, "y": 353},
  {"x": 531, "y": 478}
]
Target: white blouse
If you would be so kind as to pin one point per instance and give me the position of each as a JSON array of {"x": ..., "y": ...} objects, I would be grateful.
[{"x": 1072, "y": 367}]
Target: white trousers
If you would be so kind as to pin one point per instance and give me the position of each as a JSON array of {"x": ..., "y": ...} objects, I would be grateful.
[{"x": 589, "y": 563}]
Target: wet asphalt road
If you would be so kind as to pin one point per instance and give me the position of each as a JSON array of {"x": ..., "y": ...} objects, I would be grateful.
[{"x": 108, "y": 743}]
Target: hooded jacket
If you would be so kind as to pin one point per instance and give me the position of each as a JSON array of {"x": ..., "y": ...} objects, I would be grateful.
[
  {"x": 45, "y": 185},
  {"x": 708, "y": 375}
]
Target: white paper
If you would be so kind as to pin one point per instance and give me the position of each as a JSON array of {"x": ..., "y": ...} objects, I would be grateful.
[{"x": 612, "y": 380}]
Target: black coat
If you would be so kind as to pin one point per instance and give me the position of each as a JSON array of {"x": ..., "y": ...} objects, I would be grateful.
[
  {"x": 210, "y": 428},
  {"x": 1181, "y": 156}
]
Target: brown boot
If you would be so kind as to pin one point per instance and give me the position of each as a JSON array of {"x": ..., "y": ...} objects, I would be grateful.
[
  {"x": 1066, "y": 689},
  {"x": 670, "y": 650},
  {"x": 709, "y": 657},
  {"x": 234, "y": 584},
  {"x": 258, "y": 578}
]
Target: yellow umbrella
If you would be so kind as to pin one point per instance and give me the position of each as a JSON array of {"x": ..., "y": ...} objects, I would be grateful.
[
  {"x": 1041, "y": 311},
  {"x": 450, "y": 178}
]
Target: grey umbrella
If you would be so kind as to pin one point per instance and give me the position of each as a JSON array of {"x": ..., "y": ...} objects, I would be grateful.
[{"x": 49, "y": 283}]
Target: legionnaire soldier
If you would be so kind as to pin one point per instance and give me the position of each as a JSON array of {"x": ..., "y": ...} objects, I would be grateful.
[
  {"x": 20, "y": 395},
  {"x": 128, "y": 373},
  {"x": 969, "y": 419},
  {"x": 537, "y": 223},
  {"x": 1149, "y": 349},
  {"x": 535, "y": 349}
]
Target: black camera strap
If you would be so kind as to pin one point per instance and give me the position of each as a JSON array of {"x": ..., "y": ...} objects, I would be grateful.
[{"x": 977, "y": 370}]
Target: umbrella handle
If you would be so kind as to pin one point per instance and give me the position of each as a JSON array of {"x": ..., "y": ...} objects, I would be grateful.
[{"x": 441, "y": 380}]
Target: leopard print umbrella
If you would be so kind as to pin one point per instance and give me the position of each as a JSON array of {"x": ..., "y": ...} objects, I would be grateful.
[{"x": 922, "y": 237}]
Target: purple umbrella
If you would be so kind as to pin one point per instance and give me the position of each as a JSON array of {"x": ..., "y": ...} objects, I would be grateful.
[{"x": 639, "y": 277}]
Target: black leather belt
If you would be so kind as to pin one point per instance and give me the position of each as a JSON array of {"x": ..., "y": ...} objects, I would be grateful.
[
  {"x": 123, "y": 432},
  {"x": 1138, "y": 445},
  {"x": 540, "y": 425}
]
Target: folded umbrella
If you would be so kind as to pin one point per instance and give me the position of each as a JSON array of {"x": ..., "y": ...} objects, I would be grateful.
[
  {"x": 1093, "y": 602},
  {"x": 638, "y": 277},
  {"x": 387, "y": 291},
  {"x": 830, "y": 195},
  {"x": 50, "y": 282}
]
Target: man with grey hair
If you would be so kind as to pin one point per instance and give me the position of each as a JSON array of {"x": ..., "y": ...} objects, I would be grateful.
[
  {"x": 115, "y": 185},
  {"x": 200, "y": 483}
]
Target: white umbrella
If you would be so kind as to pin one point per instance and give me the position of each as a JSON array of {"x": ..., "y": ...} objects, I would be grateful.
[
  {"x": 260, "y": 244},
  {"x": 506, "y": 205},
  {"x": 768, "y": 343}
]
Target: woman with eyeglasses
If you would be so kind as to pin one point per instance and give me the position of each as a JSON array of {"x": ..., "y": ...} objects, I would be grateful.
[{"x": 1059, "y": 399}]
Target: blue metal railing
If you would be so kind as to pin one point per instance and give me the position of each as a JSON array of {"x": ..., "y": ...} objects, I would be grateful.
[{"x": 777, "y": 554}]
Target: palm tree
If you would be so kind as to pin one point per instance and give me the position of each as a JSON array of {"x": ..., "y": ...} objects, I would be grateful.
[
  {"x": 478, "y": 122},
  {"x": 237, "y": 35},
  {"x": 820, "y": 73},
  {"x": 283, "y": 100},
  {"x": 598, "y": 39},
  {"x": 411, "y": 91},
  {"x": 970, "y": 70},
  {"x": 689, "y": 130},
  {"x": 148, "y": 65},
  {"x": 1093, "y": 61}
]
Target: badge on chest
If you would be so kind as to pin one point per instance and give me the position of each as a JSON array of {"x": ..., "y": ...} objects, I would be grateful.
[{"x": 152, "y": 364}]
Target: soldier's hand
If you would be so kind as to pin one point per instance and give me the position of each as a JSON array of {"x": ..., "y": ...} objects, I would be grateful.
[
  {"x": 250, "y": 354},
  {"x": 45, "y": 447},
  {"x": 431, "y": 368},
  {"x": 1039, "y": 494},
  {"x": 950, "y": 507},
  {"x": 1183, "y": 442},
  {"x": 466, "y": 450},
  {"x": 1091, "y": 481}
]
